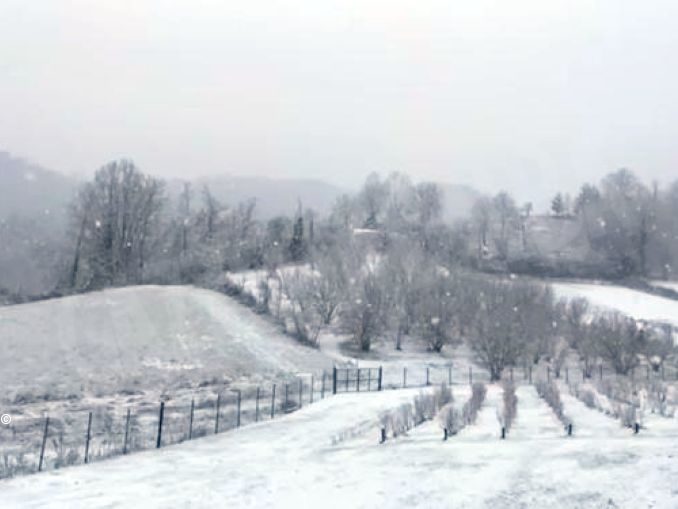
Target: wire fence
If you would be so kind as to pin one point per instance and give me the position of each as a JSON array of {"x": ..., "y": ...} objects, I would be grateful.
[{"x": 31, "y": 444}]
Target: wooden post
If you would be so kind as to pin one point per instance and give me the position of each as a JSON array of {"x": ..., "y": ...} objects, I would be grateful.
[
  {"x": 301, "y": 392},
  {"x": 216, "y": 416},
  {"x": 127, "y": 420},
  {"x": 89, "y": 436},
  {"x": 358, "y": 379},
  {"x": 190, "y": 420},
  {"x": 161, "y": 415},
  {"x": 381, "y": 372},
  {"x": 44, "y": 441},
  {"x": 334, "y": 380},
  {"x": 312, "y": 387},
  {"x": 256, "y": 414},
  {"x": 322, "y": 387},
  {"x": 273, "y": 402},
  {"x": 428, "y": 379}
]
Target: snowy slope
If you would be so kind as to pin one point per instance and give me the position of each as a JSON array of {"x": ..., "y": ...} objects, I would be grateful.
[
  {"x": 669, "y": 285},
  {"x": 139, "y": 338},
  {"x": 293, "y": 462},
  {"x": 639, "y": 305}
]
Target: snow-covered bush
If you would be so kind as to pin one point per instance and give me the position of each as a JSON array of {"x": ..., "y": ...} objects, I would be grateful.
[
  {"x": 510, "y": 405},
  {"x": 550, "y": 393},
  {"x": 444, "y": 395},
  {"x": 659, "y": 402},
  {"x": 451, "y": 419},
  {"x": 454, "y": 420},
  {"x": 475, "y": 402},
  {"x": 425, "y": 407}
]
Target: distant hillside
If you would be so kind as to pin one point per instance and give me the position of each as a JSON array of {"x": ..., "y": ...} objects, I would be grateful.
[
  {"x": 32, "y": 191},
  {"x": 274, "y": 196},
  {"x": 33, "y": 217}
]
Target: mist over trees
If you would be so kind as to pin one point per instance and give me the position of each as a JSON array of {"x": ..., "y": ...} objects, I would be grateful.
[{"x": 383, "y": 267}]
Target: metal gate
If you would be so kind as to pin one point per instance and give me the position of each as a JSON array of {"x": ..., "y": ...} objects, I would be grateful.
[{"x": 356, "y": 379}]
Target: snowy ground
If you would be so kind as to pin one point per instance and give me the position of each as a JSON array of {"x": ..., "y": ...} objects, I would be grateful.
[
  {"x": 635, "y": 303},
  {"x": 141, "y": 338},
  {"x": 298, "y": 462},
  {"x": 669, "y": 285}
]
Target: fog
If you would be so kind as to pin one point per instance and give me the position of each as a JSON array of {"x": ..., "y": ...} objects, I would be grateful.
[{"x": 529, "y": 96}]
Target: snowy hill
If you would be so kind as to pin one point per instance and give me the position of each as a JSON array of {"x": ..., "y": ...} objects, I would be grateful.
[
  {"x": 140, "y": 338},
  {"x": 635, "y": 303}
]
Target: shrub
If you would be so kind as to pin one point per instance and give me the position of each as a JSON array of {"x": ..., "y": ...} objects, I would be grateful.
[
  {"x": 510, "y": 406},
  {"x": 550, "y": 393},
  {"x": 475, "y": 402}
]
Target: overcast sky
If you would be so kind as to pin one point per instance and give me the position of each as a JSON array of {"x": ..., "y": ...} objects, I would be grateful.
[{"x": 526, "y": 95}]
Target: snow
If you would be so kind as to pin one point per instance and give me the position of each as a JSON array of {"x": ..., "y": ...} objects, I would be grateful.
[
  {"x": 142, "y": 338},
  {"x": 634, "y": 303},
  {"x": 669, "y": 285},
  {"x": 294, "y": 462}
]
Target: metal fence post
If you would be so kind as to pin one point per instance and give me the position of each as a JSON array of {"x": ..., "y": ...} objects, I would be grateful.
[
  {"x": 161, "y": 415},
  {"x": 190, "y": 421},
  {"x": 237, "y": 422},
  {"x": 381, "y": 372},
  {"x": 273, "y": 402},
  {"x": 428, "y": 379},
  {"x": 124, "y": 447},
  {"x": 44, "y": 441},
  {"x": 334, "y": 380},
  {"x": 256, "y": 414},
  {"x": 89, "y": 435},
  {"x": 216, "y": 417}
]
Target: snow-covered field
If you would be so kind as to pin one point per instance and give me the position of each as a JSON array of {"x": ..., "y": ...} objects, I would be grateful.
[
  {"x": 669, "y": 285},
  {"x": 634, "y": 303},
  {"x": 298, "y": 462},
  {"x": 139, "y": 339}
]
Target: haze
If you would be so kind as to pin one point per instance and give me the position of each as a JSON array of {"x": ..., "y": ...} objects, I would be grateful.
[{"x": 529, "y": 96}]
